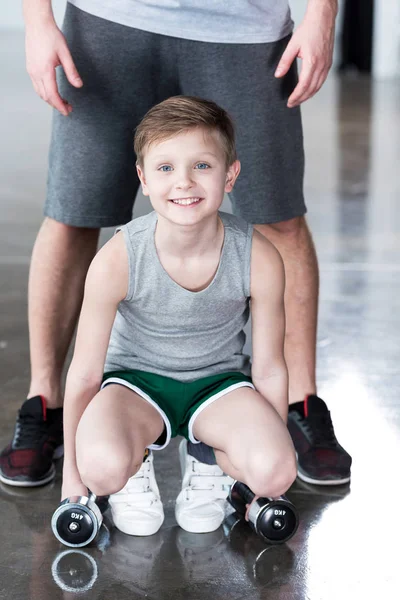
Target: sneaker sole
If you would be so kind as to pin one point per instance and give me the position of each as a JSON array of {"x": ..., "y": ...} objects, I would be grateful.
[
  {"x": 58, "y": 453},
  {"x": 322, "y": 482},
  {"x": 198, "y": 528},
  {"x": 20, "y": 483},
  {"x": 307, "y": 479},
  {"x": 136, "y": 530}
]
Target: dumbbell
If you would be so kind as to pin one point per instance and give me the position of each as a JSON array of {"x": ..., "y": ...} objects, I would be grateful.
[
  {"x": 274, "y": 520},
  {"x": 77, "y": 520}
]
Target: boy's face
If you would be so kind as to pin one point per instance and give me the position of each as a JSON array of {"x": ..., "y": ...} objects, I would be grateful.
[{"x": 186, "y": 176}]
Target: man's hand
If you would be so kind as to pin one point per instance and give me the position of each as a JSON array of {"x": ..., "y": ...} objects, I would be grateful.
[
  {"x": 46, "y": 49},
  {"x": 312, "y": 42}
]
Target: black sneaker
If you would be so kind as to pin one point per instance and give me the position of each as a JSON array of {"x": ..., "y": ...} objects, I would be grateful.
[
  {"x": 320, "y": 458},
  {"x": 38, "y": 437}
]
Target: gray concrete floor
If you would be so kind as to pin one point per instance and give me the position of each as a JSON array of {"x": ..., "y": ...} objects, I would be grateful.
[{"x": 346, "y": 546}]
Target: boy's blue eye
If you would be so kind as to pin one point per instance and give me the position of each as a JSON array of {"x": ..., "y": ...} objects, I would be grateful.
[
  {"x": 202, "y": 166},
  {"x": 165, "y": 168}
]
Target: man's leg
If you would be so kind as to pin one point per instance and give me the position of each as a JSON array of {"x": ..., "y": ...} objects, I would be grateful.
[
  {"x": 270, "y": 190},
  {"x": 293, "y": 240},
  {"x": 92, "y": 183},
  {"x": 60, "y": 260},
  {"x": 321, "y": 459}
]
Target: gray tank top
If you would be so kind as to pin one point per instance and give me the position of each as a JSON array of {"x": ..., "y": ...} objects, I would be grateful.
[
  {"x": 220, "y": 21},
  {"x": 163, "y": 328}
]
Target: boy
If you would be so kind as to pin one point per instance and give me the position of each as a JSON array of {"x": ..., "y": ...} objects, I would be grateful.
[{"x": 166, "y": 301}]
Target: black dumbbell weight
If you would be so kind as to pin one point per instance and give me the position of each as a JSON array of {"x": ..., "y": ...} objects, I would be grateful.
[
  {"x": 77, "y": 521},
  {"x": 274, "y": 520}
]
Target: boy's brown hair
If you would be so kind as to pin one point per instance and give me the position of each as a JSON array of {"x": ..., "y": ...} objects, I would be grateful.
[{"x": 181, "y": 113}]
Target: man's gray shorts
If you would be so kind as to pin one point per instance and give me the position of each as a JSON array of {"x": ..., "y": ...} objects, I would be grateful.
[{"x": 92, "y": 179}]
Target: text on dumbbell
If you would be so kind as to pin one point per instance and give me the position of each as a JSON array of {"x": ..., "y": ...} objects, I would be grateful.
[
  {"x": 76, "y": 516},
  {"x": 279, "y": 512}
]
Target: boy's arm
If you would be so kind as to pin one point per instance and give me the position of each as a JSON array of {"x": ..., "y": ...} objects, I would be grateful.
[
  {"x": 106, "y": 285},
  {"x": 269, "y": 371}
]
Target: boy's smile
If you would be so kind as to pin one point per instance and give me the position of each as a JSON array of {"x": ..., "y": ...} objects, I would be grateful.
[{"x": 186, "y": 201}]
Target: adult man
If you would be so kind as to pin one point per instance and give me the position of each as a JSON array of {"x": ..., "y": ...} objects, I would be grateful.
[{"x": 118, "y": 60}]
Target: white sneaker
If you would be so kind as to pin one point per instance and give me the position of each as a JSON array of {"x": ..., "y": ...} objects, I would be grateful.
[
  {"x": 201, "y": 505},
  {"x": 137, "y": 509}
]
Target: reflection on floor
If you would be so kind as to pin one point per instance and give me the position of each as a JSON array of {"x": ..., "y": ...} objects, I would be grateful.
[{"x": 344, "y": 546}]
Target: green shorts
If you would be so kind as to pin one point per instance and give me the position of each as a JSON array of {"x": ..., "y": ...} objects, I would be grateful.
[{"x": 178, "y": 403}]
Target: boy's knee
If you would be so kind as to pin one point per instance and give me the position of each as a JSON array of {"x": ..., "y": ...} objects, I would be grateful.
[
  {"x": 271, "y": 478},
  {"x": 104, "y": 471}
]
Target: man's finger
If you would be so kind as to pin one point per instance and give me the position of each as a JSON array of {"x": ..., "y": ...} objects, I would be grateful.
[
  {"x": 314, "y": 86},
  {"x": 287, "y": 59},
  {"x": 306, "y": 75},
  {"x": 69, "y": 67},
  {"x": 298, "y": 92},
  {"x": 308, "y": 91},
  {"x": 52, "y": 96}
]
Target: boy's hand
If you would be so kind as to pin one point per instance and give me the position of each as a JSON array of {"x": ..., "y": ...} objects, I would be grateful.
[
  {"x": 46, "y": 49},
  {"x": 312, "y": 42},
  {"x": 72, "y": 486}
]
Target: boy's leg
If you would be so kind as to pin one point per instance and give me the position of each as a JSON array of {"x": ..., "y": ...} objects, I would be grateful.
[
  {"x": 113, "y": 433},
  {"x": 250, "y": 440}
]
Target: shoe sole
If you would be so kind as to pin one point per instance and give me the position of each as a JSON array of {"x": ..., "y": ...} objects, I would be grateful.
[
  {"x": 321, "y": 481},
  {"x": 14, "y": 482},
  {"x": 137, "y": 531},
  {"x": 58, "y": 453},
  {"x": 308, "y": 479},
  {"x": 199, "y": 528}
]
